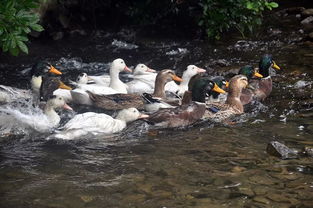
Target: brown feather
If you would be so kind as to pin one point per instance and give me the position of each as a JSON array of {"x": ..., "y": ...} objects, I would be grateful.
[
  {"x": 178, "y": 117},
  {"x": 117, "y": 101}
]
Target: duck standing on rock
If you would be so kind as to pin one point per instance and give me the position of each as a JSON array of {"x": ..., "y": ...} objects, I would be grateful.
[{"x": 261, "y": 87}]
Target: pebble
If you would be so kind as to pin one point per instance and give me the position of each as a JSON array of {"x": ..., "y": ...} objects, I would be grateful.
[
  {"x": 307, "y": 12},
  {"x": 307, "y": 20},
  {"x": 261, "y": 199}
]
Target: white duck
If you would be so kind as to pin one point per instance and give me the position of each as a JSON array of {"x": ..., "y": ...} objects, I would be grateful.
[
  {"x": 43, "y": 121},
  {"x": 80, "y": 95},
  {"x": 97, "y": 123},
  {"x": 183, "y": 86},
  {"x": 38, "y": 71},
  {"x": 144, "y": 79}
]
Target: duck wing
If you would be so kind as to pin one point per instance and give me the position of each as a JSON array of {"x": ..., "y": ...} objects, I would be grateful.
[
  {"x": 117, "y": 101},
  {"x": 179, "y": 116}
]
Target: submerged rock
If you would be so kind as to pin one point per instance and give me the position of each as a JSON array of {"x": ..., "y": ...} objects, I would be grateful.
[
  {"x": 308, "y": 151},
  {"x": 280, "y": 150},
  {"x": 307, "y": 12}
]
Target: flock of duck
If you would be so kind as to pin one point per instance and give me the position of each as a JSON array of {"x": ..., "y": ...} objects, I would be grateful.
[{"x": 165, "y": 103}]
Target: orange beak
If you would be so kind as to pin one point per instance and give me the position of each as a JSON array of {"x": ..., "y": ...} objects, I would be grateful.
[
  {"x": 127, "y": 69},
  {"x": 256, "y": 74},
  {"x": 227, "y": 84},
  {"x": 218, "y": 89},
  {"x": 54, "y": 70},
  {"x": 64, "y": 86},
  {"x": 176, "y": 78}
]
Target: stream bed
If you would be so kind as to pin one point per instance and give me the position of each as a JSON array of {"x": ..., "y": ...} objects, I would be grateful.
[{"x": 199, "y": 166}]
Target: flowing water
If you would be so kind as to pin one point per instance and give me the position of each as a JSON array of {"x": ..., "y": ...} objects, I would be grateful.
[{"x": 200, "y": 166}]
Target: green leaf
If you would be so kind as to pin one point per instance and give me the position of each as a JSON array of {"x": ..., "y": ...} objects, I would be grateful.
[
  {"x": 37, "y": 27},
  {"x": 273, "y": 4},
  {"x": 249, "y": 5},
  {"x": 14, "y": 51},
  {"x": 22, "y": 46}
]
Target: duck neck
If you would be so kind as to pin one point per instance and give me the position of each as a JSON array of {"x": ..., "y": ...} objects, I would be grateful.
[
  {"x": 198, "y": 95},
  {"x": 36, "y": 82},
  {"x": 233, "y": 99},
  {"x": 51, "y": 114},
  {"x": 159, "y": 88}
]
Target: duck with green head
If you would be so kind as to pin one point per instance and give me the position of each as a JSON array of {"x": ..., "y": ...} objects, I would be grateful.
[
  {"x": 192, "y": 109},
  {"x": 261, "y": 87},
  {"x": 233, "y": 105}
]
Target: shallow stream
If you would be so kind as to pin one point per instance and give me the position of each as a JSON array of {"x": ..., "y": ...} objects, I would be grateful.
[{"x": 200, "y": 166}]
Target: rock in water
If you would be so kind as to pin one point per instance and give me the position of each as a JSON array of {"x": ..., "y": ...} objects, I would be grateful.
[
  {"x": 308, "y": 151},
  {"x": 280, "y": 150}
]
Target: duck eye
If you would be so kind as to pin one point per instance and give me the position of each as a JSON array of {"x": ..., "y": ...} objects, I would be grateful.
[
  {"x": 141, "y": 66},
  {"x": 122, "y": 62},
  {"x": 60, "y": 98}
]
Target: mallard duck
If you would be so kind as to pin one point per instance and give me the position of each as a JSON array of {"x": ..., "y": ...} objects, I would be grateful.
[
  {"x": 38, "y": 71},
  {"x": 121, "y": 101},
  {"x": 80, "y": 96},
  {"x": 251, "y": 73},
  {"x": 53, "y": 86},
  {"x": 178, "y": 117},
  {"x": 183, "y": 86},
  {"x": 192, "y": 109},
  {"x": 97, "y": 123},
  {"x": 116, "y": 101},
  {"x": 261, "y": 87},
  {"x": 43, "y": 121},
  {"x": 162, "y": 78},
  {"x": 143, "y": 80},
  {"x": 233, "y": 105}
]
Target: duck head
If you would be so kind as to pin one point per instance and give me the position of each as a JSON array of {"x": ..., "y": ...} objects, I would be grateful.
[
  {"x": 130, "y": 114},
  {"x": 57, "y": 102},
  {"x": 203, "y": 87},
  {"x": 142, "y": 69},
  {"x": 162, "y": 78},
  {"x": 119, "y": 65},
  {"x": 249, "y": 72},
  {"x": 41, "y": 68},
  {"x": 82, "y": 78},
  {"x": 191, "y": 71},
  {"x": 221, "y": 83},
  {"x": 266, "y": 62}
]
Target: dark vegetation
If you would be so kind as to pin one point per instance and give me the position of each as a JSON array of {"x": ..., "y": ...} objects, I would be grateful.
[{"x": 212, "y": 17}]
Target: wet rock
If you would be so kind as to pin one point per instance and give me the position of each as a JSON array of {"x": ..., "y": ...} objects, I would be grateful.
[
  {"x": 260, "y": 190},
  {"x": 307, "y": 12},
  {"x": 277, "y": 197},
  {"x": 280, "y": 150},
  {"x": 58, "y": 36},
  {"x": 295, "y": 10},
  {"x": 310, "y": 35},
  {"x": 246, "y": 191},
  {"x": 261, "y": 199},
  {"x": 308, "y": 151},
  {"x": 261, "y": 180},
  {"x": 307, "y": 20}
]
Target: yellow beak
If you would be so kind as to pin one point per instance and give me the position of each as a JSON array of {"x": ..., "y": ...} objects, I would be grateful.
[
  {"x": 54, "y": 70},
  {"x": 64, "y": 86},
  {"x": 256, "y": 74},
  {"x": 176, "y": 78},
  {"x": 218, "y": 89},
  {"x": 275, "y": 66}
]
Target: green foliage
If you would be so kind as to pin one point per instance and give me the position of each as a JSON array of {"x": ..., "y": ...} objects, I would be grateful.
[
  {"x": 220, "y": 16},
  {"x": 17, "y": 19}
]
